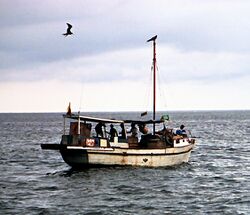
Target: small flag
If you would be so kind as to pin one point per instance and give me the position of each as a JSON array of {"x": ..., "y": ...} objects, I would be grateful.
[
  {"x": 69, "y": 110},
  {"x": 144, "y": 113}
]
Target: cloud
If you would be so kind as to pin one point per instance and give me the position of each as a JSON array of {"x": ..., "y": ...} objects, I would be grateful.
[
  {"x": 203, "y": 43},
  {"x": 174, "y": 65},
  {"x": 33, "y": 31},
  {"x": 205, "y": 67}
]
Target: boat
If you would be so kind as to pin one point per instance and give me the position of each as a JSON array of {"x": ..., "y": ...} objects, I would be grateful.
[{"x": 149, "y": 143}]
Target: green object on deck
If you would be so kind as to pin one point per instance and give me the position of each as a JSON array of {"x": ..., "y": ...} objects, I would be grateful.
[{"x": 165, "y": 117}]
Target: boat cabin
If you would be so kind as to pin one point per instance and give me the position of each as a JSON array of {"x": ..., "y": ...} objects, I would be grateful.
[{"x": 105, "y": 133}]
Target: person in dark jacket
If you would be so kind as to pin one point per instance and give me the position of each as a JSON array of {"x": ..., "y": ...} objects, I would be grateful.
[
  {"x": 98, "y": 129},
  {"x": 113, "y": 132}
]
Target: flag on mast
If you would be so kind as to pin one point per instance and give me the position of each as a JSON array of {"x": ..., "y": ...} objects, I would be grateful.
[
  {"x": 69, "y": 110},
  {"x": 144, "y": 113},
  {"x": 152, "y": 39}
]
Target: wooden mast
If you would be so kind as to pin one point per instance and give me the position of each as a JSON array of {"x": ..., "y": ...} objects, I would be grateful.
[
  {"x": 154, "y": 103},
  {"x": 154, "y": 79}
]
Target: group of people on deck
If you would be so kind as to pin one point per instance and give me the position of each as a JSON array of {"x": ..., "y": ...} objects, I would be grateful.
[
  {"x": 113, "y": 132},
  {"x": 134, "y": 130}
]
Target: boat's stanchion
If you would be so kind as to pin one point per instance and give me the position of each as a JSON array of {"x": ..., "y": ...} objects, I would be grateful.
[
  {"x": 79, "y": 128},
  {"x": 64, "y": 125},
  {"x": 79, "y": 124}
]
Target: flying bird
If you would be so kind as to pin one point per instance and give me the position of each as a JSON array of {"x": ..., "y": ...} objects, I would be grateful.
[
  {"x": 152, "y": 39},
  {"x": 68, "y": 30}
]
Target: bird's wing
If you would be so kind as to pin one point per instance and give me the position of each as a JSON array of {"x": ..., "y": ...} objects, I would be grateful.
[{"x": 69, "y": 26}]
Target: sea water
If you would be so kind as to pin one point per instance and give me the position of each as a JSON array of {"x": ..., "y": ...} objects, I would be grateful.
[{"x": 215, "y": 181}]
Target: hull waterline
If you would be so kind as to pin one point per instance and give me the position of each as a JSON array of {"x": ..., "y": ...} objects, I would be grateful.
[{"x": 80, "y": 156}]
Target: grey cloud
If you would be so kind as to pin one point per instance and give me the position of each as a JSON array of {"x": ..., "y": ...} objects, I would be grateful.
[{"x": 31, "y": 32}]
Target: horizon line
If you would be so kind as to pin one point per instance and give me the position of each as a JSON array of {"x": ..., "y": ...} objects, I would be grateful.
[{"x": 124, "y": 111}]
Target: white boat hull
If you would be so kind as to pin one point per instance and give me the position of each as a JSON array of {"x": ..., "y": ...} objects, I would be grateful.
[{"x": 85, "y": 156}]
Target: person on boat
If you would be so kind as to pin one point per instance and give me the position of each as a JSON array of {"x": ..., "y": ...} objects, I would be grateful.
[
  {"x": 166, "y": 134},
  {"x": 123, "y": 131},
  {"x": 181, "y": 131},
  {"x": 113, "y": 132},
  {"x": 133, "y": 130},
  {"x": 143, "y": 128},
  {"x": 98, "y": 129}
]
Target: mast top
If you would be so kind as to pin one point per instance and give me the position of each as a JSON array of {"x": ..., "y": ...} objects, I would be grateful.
[{"x": 152, "y": 39}]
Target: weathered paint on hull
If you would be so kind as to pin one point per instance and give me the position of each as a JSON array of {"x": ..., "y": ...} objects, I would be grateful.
[{"x": 79, "y": 156}]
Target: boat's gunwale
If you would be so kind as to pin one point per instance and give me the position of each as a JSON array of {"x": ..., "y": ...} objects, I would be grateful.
[{"x": 132, "y": 152}]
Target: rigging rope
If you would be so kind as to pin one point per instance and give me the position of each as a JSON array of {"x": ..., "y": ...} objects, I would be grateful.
[
  {"x": 148, "y": 94},
  {"x": 80, "y": 106},
  {"x": 161, "y": 89}
]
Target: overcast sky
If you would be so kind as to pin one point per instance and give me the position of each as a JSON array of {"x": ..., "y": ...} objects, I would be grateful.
[{"x": 203, "y": 55}]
